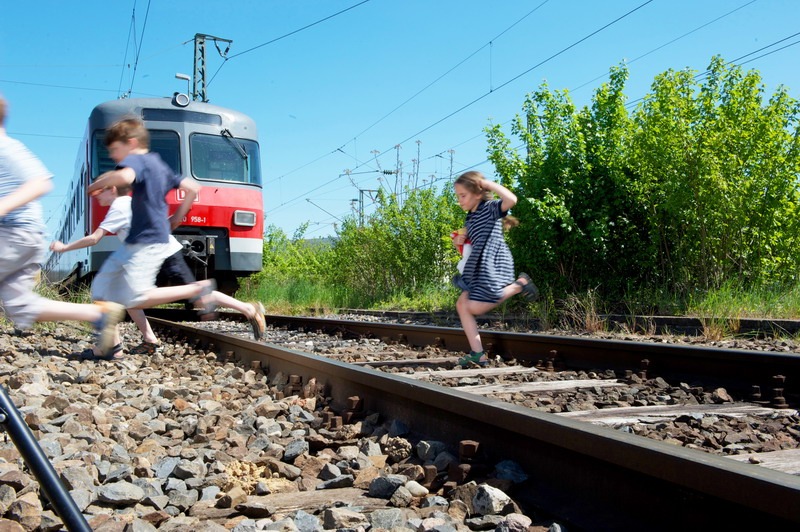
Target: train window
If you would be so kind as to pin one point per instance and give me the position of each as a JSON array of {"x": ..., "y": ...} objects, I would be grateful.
[
  {"x": 224, "y": 158},
  {"x": 165, "y": 143}
]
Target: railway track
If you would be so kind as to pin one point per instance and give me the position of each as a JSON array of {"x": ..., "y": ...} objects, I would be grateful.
[{"x": 586, "y": 474}]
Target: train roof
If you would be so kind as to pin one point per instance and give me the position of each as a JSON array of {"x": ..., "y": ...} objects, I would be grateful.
[{"x": 106, "y": 113}]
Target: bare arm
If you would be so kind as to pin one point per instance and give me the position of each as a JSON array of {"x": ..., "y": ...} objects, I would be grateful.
[
  {"x": 190, "y": 188},
  {"x": 85, "y": 242},
  {"x": 27, "y": 192},
  {"x": 508, "y": 199},
  {"x": 114, "y": 178}
]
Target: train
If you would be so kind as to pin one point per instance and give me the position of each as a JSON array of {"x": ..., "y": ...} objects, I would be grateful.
[{"x": 222, "y": 235}]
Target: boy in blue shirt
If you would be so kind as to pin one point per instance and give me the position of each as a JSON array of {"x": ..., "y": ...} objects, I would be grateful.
[{"x": 128, "y": 275}]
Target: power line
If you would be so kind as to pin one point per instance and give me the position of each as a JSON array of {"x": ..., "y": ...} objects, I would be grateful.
[
  {"x": 298, "y": 30},
  {"x": 139, "y": 48},
  {"x": 470, "y": 56},
  {"x": 52, "y": 86},
  {"x": 676, "y": 39},
  {"x": 276, "y": 39},
  {"x": 705, "y": 73},
  {"x": 524, "y": 73},
  {"x": 426, "y": 87}
]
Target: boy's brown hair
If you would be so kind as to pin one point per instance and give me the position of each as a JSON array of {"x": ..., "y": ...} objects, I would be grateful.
[{"x": 126, "y": 129}]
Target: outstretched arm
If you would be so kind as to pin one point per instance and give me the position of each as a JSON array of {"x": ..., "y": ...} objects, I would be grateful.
[
  {"x": 508, "y": 198},
  {"x": 85, "y": 242},
  {"x": 113, "y": 178},
  {"x": 27, "y": 192}
]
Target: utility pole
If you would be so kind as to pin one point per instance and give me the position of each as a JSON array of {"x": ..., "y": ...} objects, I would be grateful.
[
  {"x": 361, "y": 192},
  {"x": 199, "y": 86}
]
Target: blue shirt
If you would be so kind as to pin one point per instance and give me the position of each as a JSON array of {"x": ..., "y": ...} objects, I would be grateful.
[{"x": 154, "y": 179}]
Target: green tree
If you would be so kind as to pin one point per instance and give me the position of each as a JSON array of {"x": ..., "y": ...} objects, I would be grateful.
[
  {"x": 697, "y": 187},
  {"x": 401, "y": 248},
  {"x": 718, "y": 169}
]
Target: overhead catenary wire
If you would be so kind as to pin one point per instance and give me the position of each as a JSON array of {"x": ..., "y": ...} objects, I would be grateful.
[
  {"x": 501, "y": 86},
  {"x": 276, "y": 39},
  {"x": 426, "y": 87},
  {"x": 138, "y": 48}
]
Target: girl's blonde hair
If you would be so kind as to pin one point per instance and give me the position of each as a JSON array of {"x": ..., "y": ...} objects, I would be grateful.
[{"x": 471, "y": 181}]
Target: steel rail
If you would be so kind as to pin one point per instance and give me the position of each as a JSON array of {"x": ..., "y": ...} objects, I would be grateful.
[
  {"x": 737, "y": 369},
  {"x": 592, "y": 477}
]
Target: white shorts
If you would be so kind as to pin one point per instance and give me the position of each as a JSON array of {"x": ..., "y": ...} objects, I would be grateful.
[
  {"x": 129, "y": 273},
  {"x": 23, "y": 252}
]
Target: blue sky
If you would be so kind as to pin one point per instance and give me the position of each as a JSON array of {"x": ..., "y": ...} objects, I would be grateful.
[{"x": 333, "y": 101}]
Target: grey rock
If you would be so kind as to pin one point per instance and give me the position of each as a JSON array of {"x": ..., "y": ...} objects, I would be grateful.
[
  {"x": 489, "y": 500},
  {"x": 510, "y": 470},
  {"x": 514, "y": 523},
  {"x": 186, "y": 469},
  {"x": 387, "y": 519},
  {"x": 427, "y": 450},
  {"x": 384, "y": 487},
  {"x": 284, "y": 525},
  {"x": 342, "y": 481},
  {"x": 294, "y": 449},
  {"x": 120, "y": 493},
  {"x": 401, "y": 497},
  {"x": 183, "y": 500},
  {"x": 329, "y": 471},
  {"x": 164, "y": 468},
  {"x": 433, "y": 500},
  {"x": 305, "y": 522},
  {"x": 343, "y": 518}
]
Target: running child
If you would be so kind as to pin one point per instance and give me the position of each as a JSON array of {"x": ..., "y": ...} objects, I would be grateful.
[
  {"x": 128, "y": 275},
  {"x": 23, "y": 179},
  {"x": 118, "y": 220},
  {"x": 488, "y": 276}
]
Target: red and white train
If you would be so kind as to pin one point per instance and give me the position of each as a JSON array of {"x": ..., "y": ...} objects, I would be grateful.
[{"x": 222, "y": 234}]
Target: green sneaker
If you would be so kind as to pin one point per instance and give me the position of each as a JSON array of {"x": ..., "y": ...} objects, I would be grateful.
[{"x": 473, "y": 357}]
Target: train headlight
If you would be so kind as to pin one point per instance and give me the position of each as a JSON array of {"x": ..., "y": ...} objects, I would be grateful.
[{"x": 245, "y": 218}]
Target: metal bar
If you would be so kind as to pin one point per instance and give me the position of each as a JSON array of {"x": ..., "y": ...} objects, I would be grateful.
[{"x": 40, "y": 466}]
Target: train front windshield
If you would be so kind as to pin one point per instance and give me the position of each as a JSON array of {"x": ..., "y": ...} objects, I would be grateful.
[{"x": 225, "y": 158}]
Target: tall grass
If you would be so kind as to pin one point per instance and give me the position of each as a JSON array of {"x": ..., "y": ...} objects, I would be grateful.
[{"x": 732, "y": 301}]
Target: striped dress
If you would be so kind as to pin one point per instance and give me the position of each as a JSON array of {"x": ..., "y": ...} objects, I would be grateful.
[{"x": 490, "y": 266}]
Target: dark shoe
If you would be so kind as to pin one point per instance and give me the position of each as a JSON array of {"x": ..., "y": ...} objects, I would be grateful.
[
  {"x": 473, "y": 357},
  {"x": 529, "y": 290},
  {"x": 146, "y": 348},
  {"x": 205, "y": 305},
  {"x": 105, "y": 327},
  {"x": 257, "y": 322},
  {"x": 112, "y": 354}
]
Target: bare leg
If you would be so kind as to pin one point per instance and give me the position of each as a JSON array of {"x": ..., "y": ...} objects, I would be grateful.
[
  {"x": 139, "y": 318},
  {"x": 169, "y": 294},
  {"x": 64, "y": 311},
  {"x": 467, "y": 310},
  {"x": 228, "y": 302}
]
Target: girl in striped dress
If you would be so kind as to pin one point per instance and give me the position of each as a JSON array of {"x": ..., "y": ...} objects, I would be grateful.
[{"x": 488, "y": 277}]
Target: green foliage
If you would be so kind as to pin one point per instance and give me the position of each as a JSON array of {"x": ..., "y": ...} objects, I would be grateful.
[
  {"x": 697, "y": 186},
  {"x": 403, "y": 248},
  {"x": 401, "y": 251}
]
